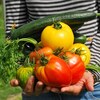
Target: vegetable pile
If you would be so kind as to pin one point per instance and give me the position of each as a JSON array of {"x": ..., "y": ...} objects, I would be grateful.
[
  {"x": 12, "y": 56},
  {"x": 55, "y": 54}
]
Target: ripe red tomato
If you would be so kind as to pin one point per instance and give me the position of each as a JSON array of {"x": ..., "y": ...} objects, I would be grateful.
[
  {"x": 46, "y": 51},
  {"x": 76, "y": 65},
  {"x": 55, "y": 72}
]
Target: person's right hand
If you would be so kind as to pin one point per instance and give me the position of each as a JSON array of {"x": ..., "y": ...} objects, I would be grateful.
[
  {"x": 87, "y": 82},
  {"x": 30, "y": 88}
]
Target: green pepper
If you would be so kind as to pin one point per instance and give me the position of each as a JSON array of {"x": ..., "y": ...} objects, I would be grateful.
[{"x": 79, "y": 38}]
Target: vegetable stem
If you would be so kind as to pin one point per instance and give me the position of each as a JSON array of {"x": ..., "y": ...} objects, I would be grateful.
[
  {"x": 97, "y": 14},
  {"x": 31, "y": 40},
  {"x": 57, "y": 25},
  {"x": 93, "y": 67}
]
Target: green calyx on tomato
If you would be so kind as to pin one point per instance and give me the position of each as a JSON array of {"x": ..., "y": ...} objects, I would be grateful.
[
  {"x": 57, "y": 51},
  {"x": 43, "y": 60},
  {"x": 77, "y": 51},
  {"x": 57, "y": 25}
]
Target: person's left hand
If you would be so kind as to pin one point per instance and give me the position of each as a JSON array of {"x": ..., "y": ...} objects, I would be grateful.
[
  {"x": 86, "y": 81},
  {"x": 31, "y": 87}
]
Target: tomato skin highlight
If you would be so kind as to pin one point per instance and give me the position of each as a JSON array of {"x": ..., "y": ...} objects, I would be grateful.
[
  {"x": 57, "y": 38},
  {"x": 46, "y": 51},
  {"x": 77, "y": 66},
  {"x": 56, "y": 73}
]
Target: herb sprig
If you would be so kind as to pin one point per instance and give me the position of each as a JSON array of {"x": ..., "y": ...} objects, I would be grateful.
[{"x": 10, "y": 58}]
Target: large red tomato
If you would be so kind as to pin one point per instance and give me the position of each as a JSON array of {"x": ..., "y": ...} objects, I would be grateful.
[
  {"x": 76, "y": 65},
  {"x": 53, "y": 71}
]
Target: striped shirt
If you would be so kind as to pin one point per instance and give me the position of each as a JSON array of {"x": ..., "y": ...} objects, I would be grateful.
[{"x": 23, "y": 11}]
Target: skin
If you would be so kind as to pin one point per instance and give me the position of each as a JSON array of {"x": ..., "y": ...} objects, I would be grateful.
[{"x": 86, "y": 81}]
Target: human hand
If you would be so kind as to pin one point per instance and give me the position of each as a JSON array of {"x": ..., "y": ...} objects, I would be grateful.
[
  {"x": 86, "y": 81},
  {"x": 31, "y": 87}
]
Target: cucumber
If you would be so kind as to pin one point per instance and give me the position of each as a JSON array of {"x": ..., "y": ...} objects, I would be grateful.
[
  {"x": 35, "y": 27},
  {"x": 75, "y": 27},
  {"x": 79, "y": 38}
]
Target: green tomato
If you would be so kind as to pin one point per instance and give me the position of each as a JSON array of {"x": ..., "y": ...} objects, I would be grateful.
[{"x": 23, "y": 74}]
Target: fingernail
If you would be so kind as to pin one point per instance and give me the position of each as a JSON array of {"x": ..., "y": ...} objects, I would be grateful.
[
  {"x": 92, "y": 89},
  {"x": 16, "y": 82},
  {"x": 32, "y": 78}
]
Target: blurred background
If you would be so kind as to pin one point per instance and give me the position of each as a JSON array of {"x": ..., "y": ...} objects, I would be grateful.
[
  {"x": 1, "y": 18},
  {"x": 6, "y": 91}
]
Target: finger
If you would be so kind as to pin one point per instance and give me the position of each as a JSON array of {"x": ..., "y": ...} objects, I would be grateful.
[
  {"x": 46, "y": 89},
  {"x": 81, "y": 82},
  {"x": 74, "y": 89},
  {"x": 55, "y": 90},
  {"x": 29, "y": 86},
  {"x": 89, "y": 82},
  {"x": 14, "y": 82},
  {"x": 68, "y": 90},
  {"x": 38, "y": 88}
]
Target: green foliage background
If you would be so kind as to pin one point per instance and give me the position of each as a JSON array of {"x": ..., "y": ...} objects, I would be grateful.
[
  {"x": 2, "y": 35},
  {"x": 5, "y": 89}
]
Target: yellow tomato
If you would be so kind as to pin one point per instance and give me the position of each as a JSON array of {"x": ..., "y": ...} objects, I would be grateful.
[
  {"x": 58, "y": 35},
  {"x": 83, "y": 51}
]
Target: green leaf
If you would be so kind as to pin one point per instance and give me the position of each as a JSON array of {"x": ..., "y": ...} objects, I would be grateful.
[{"x": 93, "y": 67}]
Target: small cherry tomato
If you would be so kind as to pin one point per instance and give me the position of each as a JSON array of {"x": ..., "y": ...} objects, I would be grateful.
[{"x": 46, "y": 51}]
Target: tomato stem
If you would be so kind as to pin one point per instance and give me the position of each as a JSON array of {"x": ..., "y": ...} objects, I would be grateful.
[
  {"x": 77, "y": 51},
  {"x": 43, "y": 60},
  {"x": 57, "y": 51},
  {"x": 66, "y": 58},
  {"x": 98, "y": 14},
  {"x": 27, "y": 62},
  {"x": 57, "y": 25}
]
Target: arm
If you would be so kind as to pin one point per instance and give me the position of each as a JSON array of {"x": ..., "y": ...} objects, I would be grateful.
[{"x": 15, "y": 13}]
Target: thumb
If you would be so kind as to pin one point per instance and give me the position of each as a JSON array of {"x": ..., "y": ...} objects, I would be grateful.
[
  {"x": 29, "y": 85},
  {"x": 14, "y": 82}
]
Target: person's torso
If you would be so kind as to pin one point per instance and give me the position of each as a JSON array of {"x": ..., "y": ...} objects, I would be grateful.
[{"x": 41, "y": 8}]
